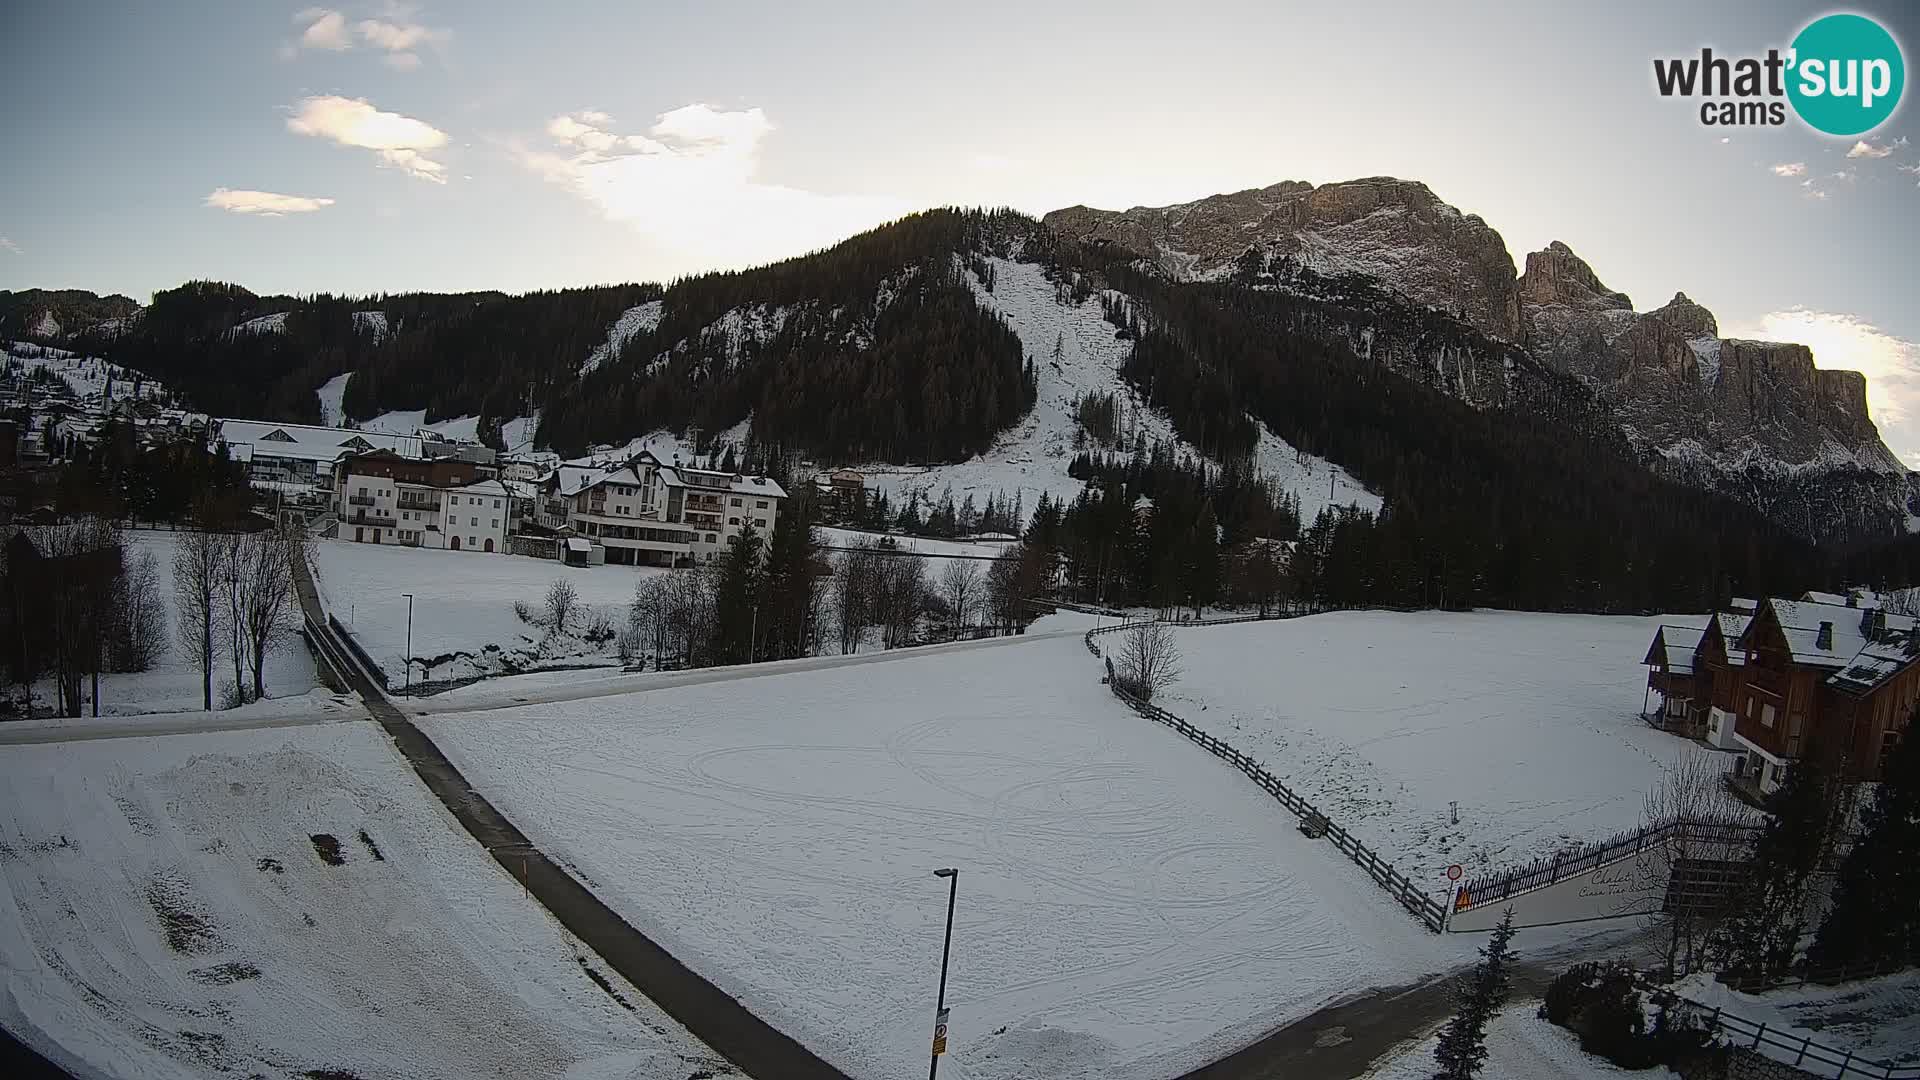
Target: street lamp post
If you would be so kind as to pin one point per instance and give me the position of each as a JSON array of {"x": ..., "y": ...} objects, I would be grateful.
[
  {"x": 409, "y": 681},
  {"x": 940, "y": 1009}
]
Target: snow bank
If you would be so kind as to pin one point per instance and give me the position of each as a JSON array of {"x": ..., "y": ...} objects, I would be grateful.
[
  {"x": 1520, "y": 1046},
  {"x": 165, "y": 914},
  {"x": 1128, "y": 906},
  {"x": 1874, "y": 1018},
  {"x": 1382, "y": 719}
]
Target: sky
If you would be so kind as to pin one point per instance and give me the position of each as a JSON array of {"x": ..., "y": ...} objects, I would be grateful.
[{"x": 365, "y": 148}]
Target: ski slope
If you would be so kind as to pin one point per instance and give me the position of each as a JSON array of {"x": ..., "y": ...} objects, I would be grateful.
[
  {"x": 1075, "y": 353},
  {"x": 165, "y": 913},
  {"x": 88, "y": 377},
  {"x": 1128, "y": 906},
  {"x": 1383, "y": 719}
]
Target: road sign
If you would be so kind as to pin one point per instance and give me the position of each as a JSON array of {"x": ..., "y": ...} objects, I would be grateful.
[
  {"x": 1454, "y": 872},
  {"x": 940, "y": 1033}
]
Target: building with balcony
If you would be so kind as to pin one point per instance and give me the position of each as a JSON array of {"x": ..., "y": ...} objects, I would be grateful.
[
  {"x": 1830, "y": 676},
  {"x": 646, "y": 513},
  {"x": 385, "y": 498},
  {"x": 299, "y": 458}
]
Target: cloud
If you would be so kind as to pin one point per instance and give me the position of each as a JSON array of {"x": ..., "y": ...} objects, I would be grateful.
[
  {"x": 325, "y": 30},
  {"x": 264, "y": 203},
  {"x": 398, "y": 140},
  {"x": 1867, "y": 148},
  {"x": 1795, "y": 168},
  {"x": 1840, "y": 340},
  {"x": 400, "y": 40},
  {"x": 8, "y": 245},
  {"x": 690, "y": 185}
]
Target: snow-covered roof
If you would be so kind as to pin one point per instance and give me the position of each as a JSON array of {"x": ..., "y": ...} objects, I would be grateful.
[
  {"x": 1675, "y": 645},
  {"x": 309, "y": 442},
  {"x": 483, "y": 487},
  {"x": 1801, "y": 622},
  {"x": 578, "y": 543},
  {"x": 1732, "y": 625}
]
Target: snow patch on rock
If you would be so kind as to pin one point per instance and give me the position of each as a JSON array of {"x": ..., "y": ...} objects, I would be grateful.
[{"x": 641, "y": 319}]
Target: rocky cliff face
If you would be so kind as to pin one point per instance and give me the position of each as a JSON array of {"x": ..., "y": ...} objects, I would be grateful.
[
  {"x": 1395, "y": 231},
  {"x": 1754, "y": 419}
]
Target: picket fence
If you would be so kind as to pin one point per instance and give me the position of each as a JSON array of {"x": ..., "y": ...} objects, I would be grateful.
[
  {"x": 1431, "y": 913},
  {"x": 1500, "y": 886}
]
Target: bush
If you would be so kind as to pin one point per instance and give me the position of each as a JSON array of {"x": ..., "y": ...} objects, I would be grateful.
[
  {"x": 1600, "y": 1004},
  {"x": 523, "y": 611},
  {"x": 599, "y": 629}
]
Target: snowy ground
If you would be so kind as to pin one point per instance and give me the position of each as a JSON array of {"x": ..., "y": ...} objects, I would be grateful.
[
  {"x": 1128, "y": 905},
  {"x": 164, "y": 913},
  {"x": 173, "y": 683},
  {"x": 1520, "y": 1046},
  {"x": 1877, "y": 1019},
  {"x": 87, "y": 376},
  {"x": 1032, "y": 456},
  {"x": 462, "y": 605},
  {"x": 1381, "y": 719}
]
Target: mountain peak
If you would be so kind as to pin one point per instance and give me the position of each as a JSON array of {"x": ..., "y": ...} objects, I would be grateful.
[{"x": 1557, "y": 276}]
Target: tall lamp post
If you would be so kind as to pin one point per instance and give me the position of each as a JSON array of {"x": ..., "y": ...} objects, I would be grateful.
[
  {"x": 940, "y": 1010},
  {"x": 409, "y": 681}
]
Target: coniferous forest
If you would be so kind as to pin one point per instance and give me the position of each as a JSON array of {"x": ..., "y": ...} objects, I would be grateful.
[{"x": 876, "y": 350}]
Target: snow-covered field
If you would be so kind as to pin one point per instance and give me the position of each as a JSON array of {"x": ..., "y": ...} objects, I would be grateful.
[
  {"x": 1128, "y": 905},
  {"x": 1878, "y": 1019},
  {"x": 463, "y": 619},
  {"x": 1382, "y": 719},
  {"x": 165, "y": 912},
  {"x": 1520, "y": 1046},
  {"x": 1032, "y": 456},
  {"x": 173, "y": 683}
]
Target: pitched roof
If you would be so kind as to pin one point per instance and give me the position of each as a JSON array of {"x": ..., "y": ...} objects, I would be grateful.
[
  {"x": 1674, "y": 646},
  {"x": 307, "y": 442}
]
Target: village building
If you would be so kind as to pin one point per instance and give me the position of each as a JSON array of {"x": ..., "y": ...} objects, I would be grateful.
[
  {"x": 298, "y": 459},
  {"x": 382, "y": 497},
  {"x": 646, "y": 513},
  {"x": 1779, "y": 681}
]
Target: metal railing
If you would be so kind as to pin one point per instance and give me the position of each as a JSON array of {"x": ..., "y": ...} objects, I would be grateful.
[{"x": 1550, "y": 870}]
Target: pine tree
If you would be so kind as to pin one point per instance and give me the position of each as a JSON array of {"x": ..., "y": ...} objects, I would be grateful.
[
  {"x": 736, "y": 599},
  {"x": 1463, "y": 1042},
  {"x": 1761, "y": 939},
  {"x": 1203, "y": 560},
  {"x": 1876, "y": 909}
]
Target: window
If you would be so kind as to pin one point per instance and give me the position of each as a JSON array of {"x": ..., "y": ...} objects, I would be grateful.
[
  {"x": 453, "y": 500},
  {"x": 363, "y": 491},
  {"x": 496, "y": 523},
  {"x": 711, "y": 539},
  {"x": 496, "y": 504},
  {"x": 760, "y": 523},
  {"x": 736, "y": 502},
  {"x": 760, "y": 504},
  {"x": 1766, "y": 716},
  {"x": 473, "y": 521},
  {"x": 733, "y": 521}
]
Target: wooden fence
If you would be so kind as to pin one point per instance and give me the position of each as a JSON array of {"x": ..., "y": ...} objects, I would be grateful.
[
  {"x": 1431, "y": 912},
  {"x": 1798, "y": 1051}
]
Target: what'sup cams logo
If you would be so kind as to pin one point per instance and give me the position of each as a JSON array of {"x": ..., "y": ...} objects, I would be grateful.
[{"x": 1843, "y": 75}]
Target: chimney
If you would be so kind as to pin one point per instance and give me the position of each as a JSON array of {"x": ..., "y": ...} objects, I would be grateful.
[
  {"x": 1867, "y": 622},
  {"x": 1824, "y": 640}
]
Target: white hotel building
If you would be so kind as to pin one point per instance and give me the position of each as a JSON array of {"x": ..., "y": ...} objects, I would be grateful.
[{"x": 645, "y": 513}]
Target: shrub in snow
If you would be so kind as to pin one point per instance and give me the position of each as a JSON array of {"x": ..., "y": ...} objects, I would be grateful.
[
  {"x": 1601, "y": 1004},
  {"x": 523, "y": 611},
  {"x": 563, "y": 601},
  {"x": 599, "y": 629}
]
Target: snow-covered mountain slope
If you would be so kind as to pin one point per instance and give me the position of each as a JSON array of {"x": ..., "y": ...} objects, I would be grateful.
[
  {"x": 88, "y": 377},
  {"x": 1076, "y": 354},
  {"x": 265, "y": 324},
  {"x": 371, "y": 322},
  {"x": 640, "y": 319},
  {"x": 331, "y": 392}
]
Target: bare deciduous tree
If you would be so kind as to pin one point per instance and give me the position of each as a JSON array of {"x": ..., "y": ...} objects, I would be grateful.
[
  {"x": 1148, "y": 661},
  {"x": 563, "y": 600},
  {"x": 197, "y": 571},
  {"x": 140, "y": 617},
  {"x": 1694, "y": 800},
  {"x": 853, "y": 592},
  {"x": 78, "y": 572},
  {"x": 267, "y": 573},
  {"x": 900, "y": 598},
  {"x": 960, "y": 588}
]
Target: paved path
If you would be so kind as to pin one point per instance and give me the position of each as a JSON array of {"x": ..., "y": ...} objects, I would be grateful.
[{"x": 715, "y": 1018}]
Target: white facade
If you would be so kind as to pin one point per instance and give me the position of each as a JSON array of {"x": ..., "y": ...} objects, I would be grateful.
[
  {"x": 381, "y": 510},
  {"x": 646, "y": 513}
]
